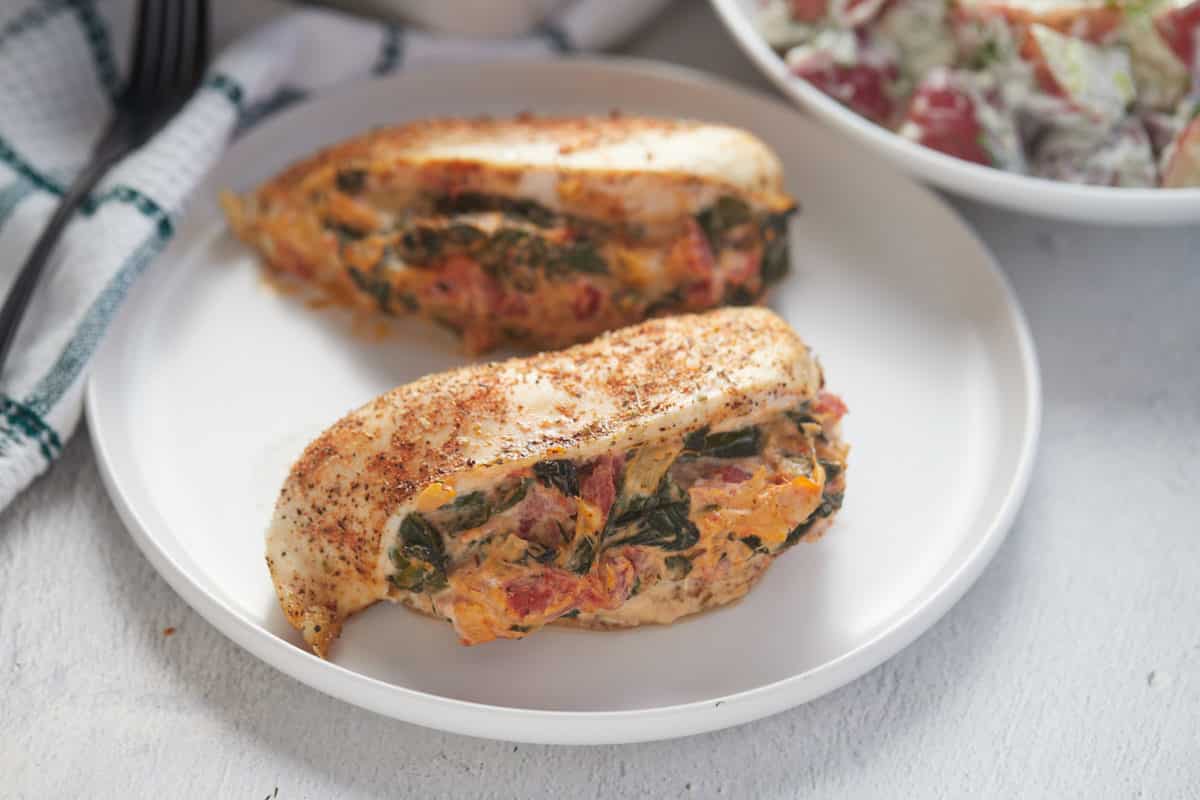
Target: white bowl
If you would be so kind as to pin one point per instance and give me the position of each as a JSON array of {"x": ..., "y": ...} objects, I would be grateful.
[{"x": 1097, "y": 204}]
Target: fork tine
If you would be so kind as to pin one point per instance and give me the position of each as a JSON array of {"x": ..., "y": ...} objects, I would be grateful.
[
  {"x": 183, "y": 45},
  {"x": 200, "y": 64},
  {"x": 141, "y": 37},
  {"x": 191, "y": 44},
  {"x": 153, "y": 46},
  {"x": 164, "y": 77}
]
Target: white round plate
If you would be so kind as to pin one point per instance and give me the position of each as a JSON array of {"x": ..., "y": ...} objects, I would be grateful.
[
  {"x": 211, "y": 383},
  {"x": 1098, "y": 204}
]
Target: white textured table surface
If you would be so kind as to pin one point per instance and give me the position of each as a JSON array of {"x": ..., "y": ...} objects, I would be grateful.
[{"x": 1072, "y": 669}]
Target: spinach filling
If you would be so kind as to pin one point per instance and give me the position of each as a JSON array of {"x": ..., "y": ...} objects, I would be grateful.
[
  {"x": 742, "y": 443},
  {"x": 559, "y": 473},
  {"x": 375, "y": 284},
  {"x": 419, "y": 558},
  {"x": 516, "y": 254},
  {"x": 658, "y": 520},
  {"x": 731, "y": 223},
  {"x": 830, "y": 502}
]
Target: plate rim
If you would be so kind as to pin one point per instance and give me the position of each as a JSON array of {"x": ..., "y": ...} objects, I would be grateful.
[
  {"x": 546, "y": 726},
  {"x": 1023, "y": 193}
]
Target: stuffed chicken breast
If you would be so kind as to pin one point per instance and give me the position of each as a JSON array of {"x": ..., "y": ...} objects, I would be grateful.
[
  {"x": 652, "y": 473},
  {"x": 535, "y": 231}
]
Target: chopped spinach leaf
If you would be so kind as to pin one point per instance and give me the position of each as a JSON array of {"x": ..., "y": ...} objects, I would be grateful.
[
  {"x": 738, "y": 295},
  {"x": 742, "y": 443},
  {"x": 722, "y": 216},
  {"x": 582, "y": 256},
  {"x": 464, "y": 237},
  {"x": 572, "y": 614},
  {"x": 414, "y": 576},
  {"x": 829, "y": 504},
  {"x": 754, "y": 543},
  {"x": 350, "y": 181},
  {"x": 375, "y": 285},
  {"x": 420, "y": 245},
  {"x": 832, "y": 469},
  {"x": 345, "y": 232},
  {"x": 657, "y": 521},
  {"x": 540, "y": 553},
  {"x": 801, "y": 416},
  {"x": 584, "y": 555},
  {"x": 678, "y": 567},
  {"x": 520, "y": 628},
  {"x": 665, "y": 302},
  {"x": 466, "y": 512},
  {"x": 775, "y": 261},
  {"x": 509, "y": 494},
  {"x": 637, "y": 586},
  {"x": 559, "y": 473},
  {"x": 420, "y": 559}
]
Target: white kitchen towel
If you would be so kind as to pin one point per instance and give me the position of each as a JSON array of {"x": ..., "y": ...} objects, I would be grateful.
[{"x": 61, "y": 65}]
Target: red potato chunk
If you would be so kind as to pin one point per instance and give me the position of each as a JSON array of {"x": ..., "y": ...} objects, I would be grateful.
[
  {"x": 1181, "y": 160},
  {"x": 1179, "y": 26},
  {"x": 852, "y": 74},
  {"x": 809, "y": 10},
  {"x": 950, "y": 112},
  {"x": 944, "y": 118}
]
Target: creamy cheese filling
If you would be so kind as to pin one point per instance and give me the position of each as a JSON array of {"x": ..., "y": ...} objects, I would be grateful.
[
  {"x": 672, "y": 522},
  {"x": 501, "y": 268}
]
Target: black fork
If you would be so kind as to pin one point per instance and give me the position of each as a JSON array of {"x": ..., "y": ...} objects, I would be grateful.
[{"x": 170, "y": 51}]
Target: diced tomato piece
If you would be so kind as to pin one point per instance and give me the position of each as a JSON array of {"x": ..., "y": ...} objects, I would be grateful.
[
  {"x": 830, "y": 405},
  {"x": 944, "y": 118},
  {"x": 1182, "y": 163},
  {"x": 731, "y": 473},
  {"x": 599, "y": 485},
  {"x": 463, "y": 283},
  {"x": 587, "y": 301},
  {"x": 692, "y": 251},
  {"x": 862, "y": 87},
  {"x": 703, "y": 294},
  {"x": 809, "y": 10},
  {"x": 533, "y": 594},
  {"x": 1179, "y": 26},
  {"x": 542, "y": 514}
]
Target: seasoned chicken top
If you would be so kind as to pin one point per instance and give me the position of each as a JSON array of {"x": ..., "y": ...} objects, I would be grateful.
[{"x": 377, "y": 505}]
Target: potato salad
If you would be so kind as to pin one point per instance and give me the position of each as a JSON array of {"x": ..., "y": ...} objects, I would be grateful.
[{"x": 1099, "y": 92}]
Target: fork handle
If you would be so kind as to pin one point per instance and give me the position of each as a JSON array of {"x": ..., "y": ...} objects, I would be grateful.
[{"x": 27, "y": 279}]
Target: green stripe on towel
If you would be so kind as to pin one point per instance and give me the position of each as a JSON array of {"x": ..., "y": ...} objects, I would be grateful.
[
  {"x": 227, "y": 86},
  {"x": 71, "y": 361},
  {"x": 22, "y": 421}
]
